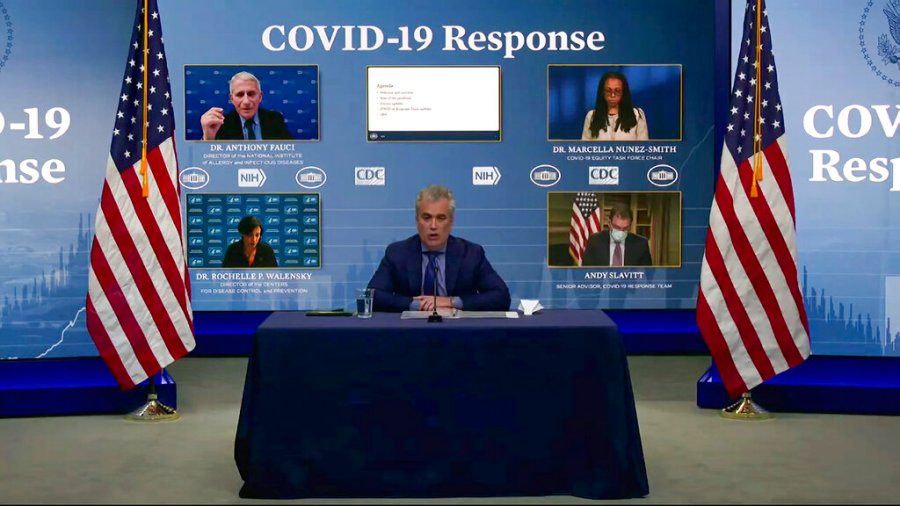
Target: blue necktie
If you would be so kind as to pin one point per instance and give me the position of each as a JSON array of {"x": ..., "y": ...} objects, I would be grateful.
[
  {"x": 251, "y": 134},
  {"x": 428, "y": 279}
]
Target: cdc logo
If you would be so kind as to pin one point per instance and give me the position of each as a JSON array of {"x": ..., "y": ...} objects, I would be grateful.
[
  {"x": 662, "y": 175},
  {"x": 603, "y": 175},
  {"x": 368, "y": 176}
]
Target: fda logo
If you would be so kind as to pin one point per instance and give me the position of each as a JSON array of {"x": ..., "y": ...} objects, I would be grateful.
[
  {"x": 603, "y": 175},
  {"x": 368, "y": 176},
  {"x": 485, "y": 176}
]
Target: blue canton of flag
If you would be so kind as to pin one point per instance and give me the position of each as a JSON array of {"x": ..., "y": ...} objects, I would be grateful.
[
  {"x": 128, "y": 132},
  {"x": 585, "y": 220},
  {"x": 740, "y": 134}
]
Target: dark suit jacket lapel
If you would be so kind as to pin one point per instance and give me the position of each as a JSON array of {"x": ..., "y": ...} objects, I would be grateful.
[
  {"x": 605, "y": 239},
  {"x": 414, "y": 266},
  {"x": 631, "y": 250},
  {"x": 264, "y": 124},
  {"x": 452, "y": 263}
]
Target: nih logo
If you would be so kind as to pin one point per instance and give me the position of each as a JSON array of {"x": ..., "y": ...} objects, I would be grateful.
[
  {"x": 485, "y": 176},
  {"x": 662, "y": 175},
  {"x": 368, "y": 176},
  {"x": 603, "y": 176},
  {"x": 251, "y": 178}
]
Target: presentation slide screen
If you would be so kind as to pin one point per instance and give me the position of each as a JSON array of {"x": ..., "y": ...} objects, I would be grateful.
[{"x": 433, "y": 103}]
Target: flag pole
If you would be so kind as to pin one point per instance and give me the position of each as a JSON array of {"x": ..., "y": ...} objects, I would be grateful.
[
  {"x": 153, "y": 410},
  {"x": 745, "y": 408}
]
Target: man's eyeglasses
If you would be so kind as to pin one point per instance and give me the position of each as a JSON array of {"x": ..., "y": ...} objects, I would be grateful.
[{"x": 612, "y": 92}]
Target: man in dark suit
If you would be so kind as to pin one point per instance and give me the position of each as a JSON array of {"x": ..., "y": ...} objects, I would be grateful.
[
  {"x": 411, "y": 268},
  {"x": 248, "y": 121},
  {"x": 615, "y": 246}
]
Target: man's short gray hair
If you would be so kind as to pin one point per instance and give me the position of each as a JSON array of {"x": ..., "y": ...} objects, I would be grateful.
[
  {"x": 242, "y": 76},
  {"x": 433, "y": 193}
]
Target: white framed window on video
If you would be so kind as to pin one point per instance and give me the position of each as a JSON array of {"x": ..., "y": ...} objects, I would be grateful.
[{"x": 433, "y": 103}]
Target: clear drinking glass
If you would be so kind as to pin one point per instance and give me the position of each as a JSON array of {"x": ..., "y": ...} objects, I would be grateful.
[{"x": 364, "y": 298}]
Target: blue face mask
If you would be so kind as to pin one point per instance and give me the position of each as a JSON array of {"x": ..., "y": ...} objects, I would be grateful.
[{"x": 618, "y": 235}]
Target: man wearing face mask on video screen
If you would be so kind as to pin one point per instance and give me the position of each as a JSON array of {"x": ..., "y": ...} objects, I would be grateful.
[{"x": 615, "y": 246}]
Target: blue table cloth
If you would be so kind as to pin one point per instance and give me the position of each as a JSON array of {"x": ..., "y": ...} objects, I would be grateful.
[{"x": 384, "y": 407}]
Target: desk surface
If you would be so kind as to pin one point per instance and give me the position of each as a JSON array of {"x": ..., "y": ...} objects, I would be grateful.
[
  {"x": 344, "y": 407},
  {"x": 392, "y": 321}
]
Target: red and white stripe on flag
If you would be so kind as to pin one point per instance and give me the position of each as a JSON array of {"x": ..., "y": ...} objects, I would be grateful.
[
  {"x": 750, "y": 309},
  {"x": 584, "y": 222},
  {"x": 138, "y": 303}
]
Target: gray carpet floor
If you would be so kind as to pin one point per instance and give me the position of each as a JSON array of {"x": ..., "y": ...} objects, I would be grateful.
[{"x": 693, "y": 455}]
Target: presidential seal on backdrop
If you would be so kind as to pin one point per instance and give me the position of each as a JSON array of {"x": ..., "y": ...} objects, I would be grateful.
[
  {"x": 8, "y": 31},
  {"x": 879, "y": 39}
]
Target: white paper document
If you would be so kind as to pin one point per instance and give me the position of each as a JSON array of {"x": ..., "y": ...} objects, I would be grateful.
[{"x": 530, "y": 306}]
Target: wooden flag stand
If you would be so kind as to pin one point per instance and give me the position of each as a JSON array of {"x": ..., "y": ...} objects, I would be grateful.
[
  {"x": 746, "y": 409},
  {"x": 153, "y": 410}
]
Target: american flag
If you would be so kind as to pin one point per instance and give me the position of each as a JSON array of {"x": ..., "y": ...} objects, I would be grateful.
[
  {"x": 749, "y": 309},
  {"x": 138, "y": 302},
  {"x": 586, "y": 220}
]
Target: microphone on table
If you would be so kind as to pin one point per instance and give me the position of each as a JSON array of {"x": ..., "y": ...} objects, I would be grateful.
[{"x": 434, "y": 317}]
